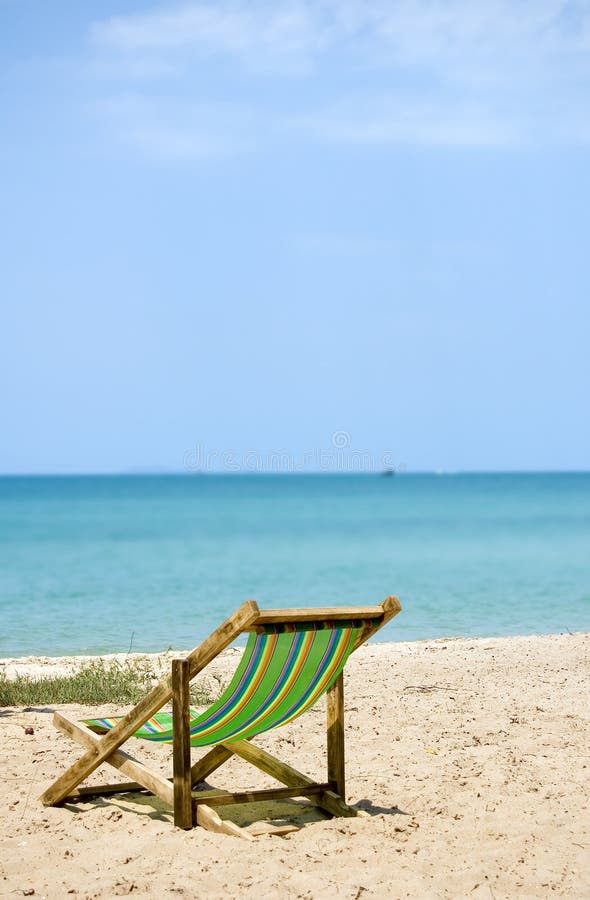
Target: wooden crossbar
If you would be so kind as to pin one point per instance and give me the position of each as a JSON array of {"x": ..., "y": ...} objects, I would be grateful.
[
  {"x": 228, "y": 798},
  {"x": 100, "y": 790},
  {"x": 319, "y": 614}
]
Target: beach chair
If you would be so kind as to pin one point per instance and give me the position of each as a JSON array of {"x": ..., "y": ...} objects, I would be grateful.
[{"x": 292, "y": 657}]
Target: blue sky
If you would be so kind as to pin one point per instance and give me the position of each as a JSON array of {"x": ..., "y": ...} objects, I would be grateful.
[{"x": 248, "y": 226}]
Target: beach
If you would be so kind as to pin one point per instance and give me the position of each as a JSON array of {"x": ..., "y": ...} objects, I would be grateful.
[{"x": 470, "y": 756}]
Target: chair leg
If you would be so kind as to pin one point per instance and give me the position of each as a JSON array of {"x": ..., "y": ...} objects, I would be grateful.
[
  {"x": 211, "y": 820},
  {"x": 119, "y": 759},
  {"x": 181, "y": 748},
  {"x": 335, "y": 698}
]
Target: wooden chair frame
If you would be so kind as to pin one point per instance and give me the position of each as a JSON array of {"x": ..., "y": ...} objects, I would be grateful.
[{"x": 193, "y": 807}]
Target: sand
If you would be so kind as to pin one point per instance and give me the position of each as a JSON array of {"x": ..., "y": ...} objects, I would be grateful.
[{"x": 471, "y": 756}]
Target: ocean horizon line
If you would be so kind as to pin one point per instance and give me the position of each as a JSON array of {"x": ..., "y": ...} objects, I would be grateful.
[{"x": 398, "y": 473}]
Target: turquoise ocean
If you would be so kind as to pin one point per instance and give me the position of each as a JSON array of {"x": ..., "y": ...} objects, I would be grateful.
[{"x": 98, "y": 564}]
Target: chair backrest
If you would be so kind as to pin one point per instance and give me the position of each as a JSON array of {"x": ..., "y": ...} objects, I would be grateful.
[
  {"x": 285, "y": 669},
  {"x": 292, "y": 657}
]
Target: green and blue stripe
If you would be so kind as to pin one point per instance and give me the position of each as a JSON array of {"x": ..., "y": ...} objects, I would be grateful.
[{"x": 282, "y": 673}]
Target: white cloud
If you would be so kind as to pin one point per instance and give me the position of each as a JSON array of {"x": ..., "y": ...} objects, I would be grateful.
[
  {"x": 443, "y": 73},
  {"x": 254, "y": 33},
  {"x": 408, "y": 121},
  {"x": 429, "y": 33}
]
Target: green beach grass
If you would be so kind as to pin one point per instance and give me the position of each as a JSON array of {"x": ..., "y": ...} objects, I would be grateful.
[{"x": 94, "y": 682}]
